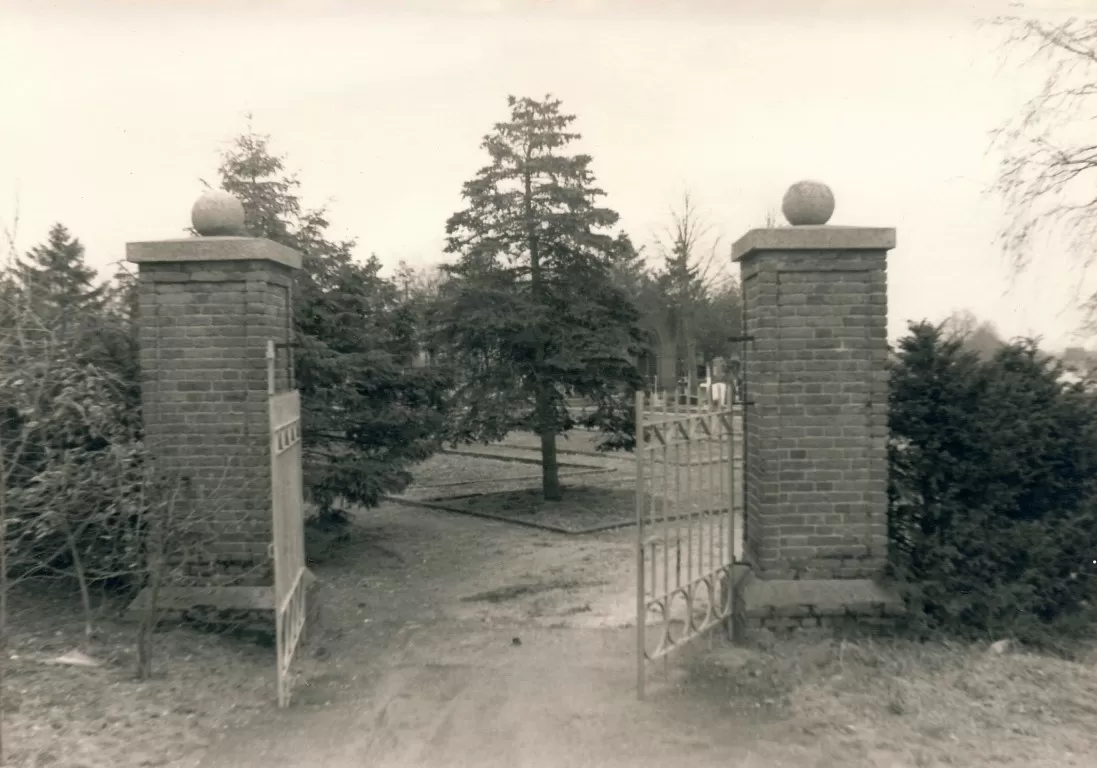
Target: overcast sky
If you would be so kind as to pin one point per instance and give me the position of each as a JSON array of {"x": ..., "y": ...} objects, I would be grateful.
[{"x": 113, "y": 111}]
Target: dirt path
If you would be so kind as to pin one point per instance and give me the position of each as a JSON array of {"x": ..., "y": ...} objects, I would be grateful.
[
  {"x": 416, "y": 664},
  {"x": 456, "y": 641},
  {"x": 452, "y": 641}
]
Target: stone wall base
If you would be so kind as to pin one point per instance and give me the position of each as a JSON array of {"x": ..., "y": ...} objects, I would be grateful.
[
  {"x": 244, "y": 610},
  {"x": 813, "y": 606}
]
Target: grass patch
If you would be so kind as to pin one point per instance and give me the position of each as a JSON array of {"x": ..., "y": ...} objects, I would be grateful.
[
  {"x": 576, "y": 441},
  {"x": 899, "y": 702},
  {"x": 445, "y": 470},
  {"x": 448, "y": 469},
  {"x": 80, "y": 717},
  {"x": 581, "y": 508}
]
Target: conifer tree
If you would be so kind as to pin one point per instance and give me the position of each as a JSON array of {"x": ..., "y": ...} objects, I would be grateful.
[
  {"x": 56, "y": 282},
  {"x": 534, "y": 314},
  {"x": 368, "y": 415}
]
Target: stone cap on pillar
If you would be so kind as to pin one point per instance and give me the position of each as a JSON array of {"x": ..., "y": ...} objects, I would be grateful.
[
  {"x": 808, "y": 206},
  {"x": 218, "y": 219}
]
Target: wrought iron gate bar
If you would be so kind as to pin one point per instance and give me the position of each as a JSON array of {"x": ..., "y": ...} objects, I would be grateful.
[
  {"x": 693, "y": 541},
  {"x": 287, "y": 508}
]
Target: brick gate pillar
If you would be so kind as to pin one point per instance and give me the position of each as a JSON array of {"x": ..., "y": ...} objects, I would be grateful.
[
  {"x": 208, "y": 306},
  {"x": 815, "y": 303}
]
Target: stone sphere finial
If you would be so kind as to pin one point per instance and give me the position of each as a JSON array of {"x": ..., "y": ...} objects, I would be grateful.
[
  {"x": 808, "y": 203},
  {"x": 217, "y": 213}
]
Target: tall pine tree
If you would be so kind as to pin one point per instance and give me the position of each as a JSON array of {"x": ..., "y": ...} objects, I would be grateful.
[
  {"x": 368, "y": 414},
  {"x": 534, "y": 314},
  {"x": 56, "y": 283}
]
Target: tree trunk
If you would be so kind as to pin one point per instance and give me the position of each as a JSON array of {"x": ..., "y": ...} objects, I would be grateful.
[
  {"x": 550, "y": 473},
  {"x": 3, "y": 590},
  {"x": 691, "y": 370}
]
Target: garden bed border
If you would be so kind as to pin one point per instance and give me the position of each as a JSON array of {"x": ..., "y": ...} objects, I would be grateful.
[{"x": 433, "y": 504}]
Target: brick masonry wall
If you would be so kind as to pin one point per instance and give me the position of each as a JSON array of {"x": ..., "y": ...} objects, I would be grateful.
[
  {"x": 203, "y": 333},
  {"x": 816, "y": 437},
  {"x": 784, "y": 626}
]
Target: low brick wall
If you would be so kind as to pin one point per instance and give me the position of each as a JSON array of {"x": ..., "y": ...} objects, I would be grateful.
[
  {"x": 825, "y": 623},
  {"x": 785, "y": 607}
]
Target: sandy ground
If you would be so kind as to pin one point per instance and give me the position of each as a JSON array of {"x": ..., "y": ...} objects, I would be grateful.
[
  {"x": 455, "y": 641},
  {"x": 449, "y": 640}
]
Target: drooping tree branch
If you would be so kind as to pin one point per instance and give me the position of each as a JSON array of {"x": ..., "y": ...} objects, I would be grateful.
[{"x": 1048, "y": 163}]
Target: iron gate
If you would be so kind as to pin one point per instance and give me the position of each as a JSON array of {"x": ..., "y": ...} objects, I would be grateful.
[
  {"x": 686, "y": 534},
  {"x": 288, "y": 546}
]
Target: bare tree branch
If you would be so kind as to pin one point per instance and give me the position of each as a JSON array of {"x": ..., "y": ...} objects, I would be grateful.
[{"x": 1048, "y": 159}]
